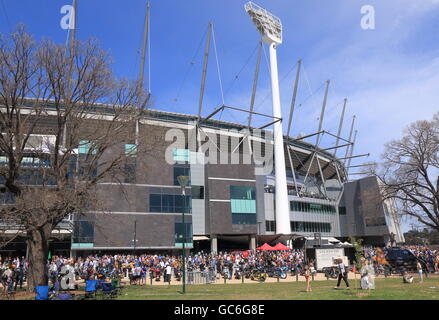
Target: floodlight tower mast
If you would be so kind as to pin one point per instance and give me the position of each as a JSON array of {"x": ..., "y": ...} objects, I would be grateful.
[{"x": 270, "y": 28}]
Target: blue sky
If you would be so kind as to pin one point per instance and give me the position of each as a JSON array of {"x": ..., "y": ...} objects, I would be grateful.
[{"x": 390, "y": 75}]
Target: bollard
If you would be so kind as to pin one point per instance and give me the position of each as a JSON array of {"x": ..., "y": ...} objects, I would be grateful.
[
  {"x": 297, "y": 277},
  {"x": 278, "y": 278},
  {"x": 242, "y": 278},
  {"x": 312, "y": 276},
  {"x": 225, "y": 279},
  {"x": 150, "y": 278}
]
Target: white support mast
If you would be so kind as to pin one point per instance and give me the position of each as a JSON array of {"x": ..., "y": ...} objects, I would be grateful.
[
  {"x": 270, "y": 28},
  {"x": 142, "y": 68}
]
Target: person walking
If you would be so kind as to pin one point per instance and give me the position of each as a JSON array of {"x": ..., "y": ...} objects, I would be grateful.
[{"x": 342, "y": 274}]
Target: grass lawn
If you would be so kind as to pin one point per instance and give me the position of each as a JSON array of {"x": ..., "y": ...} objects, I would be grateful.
[{"x": 386, "y": 289}]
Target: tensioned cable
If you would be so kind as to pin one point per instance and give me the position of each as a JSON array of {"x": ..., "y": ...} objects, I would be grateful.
[
  {"x": 6, "y": 15},
  {"x": 217, "y": 65},
  {"x": 191, "y": 64},
  {"x": 149, "y": 54},
  {"x": 281, "y": 81},
  {"x": 240, "y": 71}
]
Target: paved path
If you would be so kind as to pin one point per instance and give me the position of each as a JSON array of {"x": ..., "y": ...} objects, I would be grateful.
[{"x": 318, "y": 277}]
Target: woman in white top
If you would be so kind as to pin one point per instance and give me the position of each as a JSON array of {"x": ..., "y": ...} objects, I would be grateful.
[{"x": 419, "y": 267}]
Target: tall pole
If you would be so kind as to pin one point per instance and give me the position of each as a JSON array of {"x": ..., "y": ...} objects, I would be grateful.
[
  {"x": 135, "y": 236},
  {"x": 350, "y": 137},
  {"x": 203, "y": 77},
  {"x": 293, "y": 100},
  {"x": 351, "y": 152},
  {"x": 340, "y": 126},
  {"x": 281, "y": 195},
  {"x": 71, "y": 53},
  {"x": 144, "y": 47},
  {"x": 322, "y": 113},
  {"x": 255, "y": 84},
  {"x": 142, "y": 67}
]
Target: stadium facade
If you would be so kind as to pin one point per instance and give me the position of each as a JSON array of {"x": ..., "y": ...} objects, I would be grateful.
[{"x": 230, "y": 201}]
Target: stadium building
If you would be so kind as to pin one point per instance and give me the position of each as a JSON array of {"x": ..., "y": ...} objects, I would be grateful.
[
  {"x": 236, "y": 174},
  {"x": 226, "y": 206}
]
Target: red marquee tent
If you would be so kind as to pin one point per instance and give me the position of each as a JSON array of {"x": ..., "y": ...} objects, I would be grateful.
[
  {"x": 280, "y": 246},
  {"x": 265, "y": 247}
]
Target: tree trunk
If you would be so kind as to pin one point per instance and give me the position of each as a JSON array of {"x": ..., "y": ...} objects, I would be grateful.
[{"x": 38, "y": 244}]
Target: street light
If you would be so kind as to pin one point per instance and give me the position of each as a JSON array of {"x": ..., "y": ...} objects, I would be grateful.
[
  {"x": 183, "y": 181},
  {"x": 270, "y": 28},
  {"x": 135, "y": 237}
]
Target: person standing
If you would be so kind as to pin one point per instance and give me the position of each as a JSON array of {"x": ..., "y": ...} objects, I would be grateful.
[
  {"x": 342, "y": 274},
  {"x": 308, "y": 278},
  {"x": 168, "y": 272},
  {"x": 419, "y": 268}
]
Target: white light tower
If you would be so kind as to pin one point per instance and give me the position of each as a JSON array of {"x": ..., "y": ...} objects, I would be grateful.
[{"x": 270, "y": 28}]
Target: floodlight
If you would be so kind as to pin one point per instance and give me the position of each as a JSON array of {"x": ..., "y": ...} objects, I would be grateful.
[
  {"x": 267, "y": 24},
  {"x": 183, "y": 180},
  {"x": 270, "y": 29}
]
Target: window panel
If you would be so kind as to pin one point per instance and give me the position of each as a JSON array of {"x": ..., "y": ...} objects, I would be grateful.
[
  {"x": 197, "y": 192},
  {"x": 84, "y": 147},
  {"x": 130, "y": 150},
  {"x": 181, "y": 155},
  {"x": 306, "y": 226},
  {"x": 179, "y": 235},
  {"x": 169, "y": 203}
]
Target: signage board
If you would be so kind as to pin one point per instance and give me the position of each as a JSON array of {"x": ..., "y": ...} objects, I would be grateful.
[{"x": 325, "y": 257}]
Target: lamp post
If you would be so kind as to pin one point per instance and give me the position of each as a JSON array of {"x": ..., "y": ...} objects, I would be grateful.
[
  {"x": 183, "y": 181},
  {"x": 270, "y": 28},
  {"x": 135, "y": 237}
]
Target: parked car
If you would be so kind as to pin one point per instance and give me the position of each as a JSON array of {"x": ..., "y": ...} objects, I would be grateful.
[{"x": 401, "y": 260}]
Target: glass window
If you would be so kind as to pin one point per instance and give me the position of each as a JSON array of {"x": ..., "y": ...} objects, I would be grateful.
[
  {"x": 181, "y": 155},
  {"x": 179, "y": 235},
  {"x": 243, "y": 204},
  {"x": 243, "y": 193},
  {"x": 306, "y": 226},
  {"x": 83, "y": 232},
  {"x": 130, "y": 172},
  {"x": 130, "y": 150},
  {"x": 169, "y": 203},
  {"x": 311, "y": 207},
  {"x": 197, "y": 192},
  {"x": 84, "y": 147},
  {"x": 243, "y": 218},
  {"x": 270, "y": 226}
]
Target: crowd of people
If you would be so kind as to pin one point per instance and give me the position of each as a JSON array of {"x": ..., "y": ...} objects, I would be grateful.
[
  {"x": 426, "y": 254},
  {"x": 140, "y": 267},
  {"x": 13, "y": 272}
]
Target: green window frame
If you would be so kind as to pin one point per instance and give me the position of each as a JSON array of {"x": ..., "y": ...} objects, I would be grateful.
[
  {"x": 130, "y": 150},
  {"x": 243, "y": 204},
  {"x": 84, "y": 147},
  {"x": 181, "y": 155}
]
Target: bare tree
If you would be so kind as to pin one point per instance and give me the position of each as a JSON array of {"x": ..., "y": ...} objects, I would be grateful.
[
  {"x": 64, "y": 121},
  {"x": 410, "y": 172}
]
